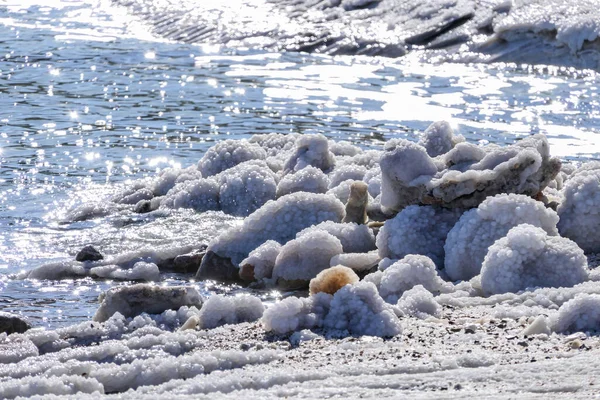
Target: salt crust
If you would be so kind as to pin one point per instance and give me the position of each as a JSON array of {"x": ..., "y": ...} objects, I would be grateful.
[
  {"x": 355, "y": 238},
  {"x": 227, "y": 154},
  {"x": 419, "y": 302},
  {"x": 528, "y": 257},
  {"x": 277, "y": 220},
  {"x": 403, "y": 275},
  {"x": 309, "y": 179},
  {"x": 220, "y": 310},
  {"x": 417, "y": 230},
  {"x": 263, "y": 259},
  {"x": 580, "y": 209},
  {"x": 354, "y": 309},
  {"x": 303, "y": 258},
  {"x": 136, "y": 299},
  {"x": 468, "y": 241}
]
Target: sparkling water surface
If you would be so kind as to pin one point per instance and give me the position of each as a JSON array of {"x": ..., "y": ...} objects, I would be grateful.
[{"x": 89, "y": 101}]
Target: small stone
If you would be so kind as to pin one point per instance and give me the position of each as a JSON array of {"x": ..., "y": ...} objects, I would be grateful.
[
  {"x": 12, "y": 323},
  {"x": 189, "y": 263},
  {"x": 89, "y": 253},
  {"x": 245, "y": 347}
]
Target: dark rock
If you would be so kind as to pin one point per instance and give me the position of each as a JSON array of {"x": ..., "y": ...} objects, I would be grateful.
[
  {"x": 89, "y": 253},
  {"x": 189, "y": 263},
  {"x": 219, "y": 268},
  {"x": 12, "y": 323}
]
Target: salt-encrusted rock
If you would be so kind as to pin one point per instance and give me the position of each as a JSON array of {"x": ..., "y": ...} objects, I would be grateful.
[
  {"x": 528, "y": 257},
  {"x": 332, "y": 279},
  {"x": 417, "y": 230},
  {"x": 359, "y": 310},
  {"x": 353, "y": 310},
  {"x": 88, "y": 253},
  {"x": 343, "y": 173},
  {"x": 221, "y": 310},
  {"x": 227, "y": 154},
  {"x": 439, "y": 138},
  {"x": 579, "y": 210},
  {"x": 198, "y": 194},
  {"x": 140, "y": 271},
  {"x": 13, "y": 323},
  {"x": 410, "y": 176},
  {"x": 419, "y": 302},
  {"x": 355, "y": 238},
  {"x": 582, "y": 313},
  {"x": 308, "y": 179},
  {"x": 146, "y": 206},
  {"x": 343, "y": 148},
  {"x": 310, "y": 150},
  {"x": 358, "y": 262},
  {"x": 278, "y": 220},
  {"x": 260, "y": 262},
  {"x": 144, "y": 298},
  {"x": 400, "y": 276},
  {"x": 190, "y": 262},
  {"x": 373, "y": 180},
  {"x": 468, "y": 241},
  {"x": 275, "y": 144},
  {"x": 303, "y": 258},
  {"x": 246, "y": 187}
]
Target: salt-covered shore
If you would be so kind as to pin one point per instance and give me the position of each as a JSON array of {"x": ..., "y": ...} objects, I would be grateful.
[{"x": 437, "y": 268}]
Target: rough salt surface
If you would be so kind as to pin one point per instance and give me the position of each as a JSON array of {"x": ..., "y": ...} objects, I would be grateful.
[
  {"x": 278, "y": 220},
  {"x": 199, "y": 195},
  {"x": 310, "y": 150},
  {"x": 262, "y": 259},
  {"x": 221, "y": 310},
  {"x": 143, "y": 298},
  {"x": 582, "y": 313},
  {"x": 468, "y": 241},
  {"x": 354, "y": 309},
  {"x": 403, "y": 275},
  {"x": 528, "y": 257},
  {"x": 309, "y": 179},
  {"x": 227, "y": 154},
  {"x": 417, "y": 230},
  {"x": 303, "y": 258},
  {"x": 439, "y": 139},
  {"x": 246, "y": 187},
  {"x": 579, "y": 211},
  {"x": 355, "y": 238},
  {"x": 419, "y": 302}
]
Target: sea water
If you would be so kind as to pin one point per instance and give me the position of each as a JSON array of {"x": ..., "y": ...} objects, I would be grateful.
[{"x": 90, "y": 101}]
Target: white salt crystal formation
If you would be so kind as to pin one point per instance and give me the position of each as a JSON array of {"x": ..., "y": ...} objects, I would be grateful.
[
  {"x": 417, "y": 230},
  {"x": 579, "y": 210},
  {"x": 411, "y": 176},
  {"x": 310, "y": 150},
  {"x": 141, "y": 271},
  {"x": 277, "y": 220},
  {"x": 403, "y": 275},
  {"x": 528, "y": 257},
  {"x": 582, "y": 313},
  {"x": 346, "y": 172},
  {"x": 260, "y": 262},
  {"x": 227, "y": 154},
  {"x": 143, "y": 298},
  {"x": 358, "y": 262},
  {"x": 308, "y": 179},
  {"x": 419, "y": 302},
  {"x": 221, "y": 310},
  {"x": 353, "y": 310},
  {"x": 468, "y": 241},
  {"x": 246, "y": 187},
  {"x": 303, "y": 258},
  {"x": 355, "y": 238},
  {"x": 198, "y": 194},
  {"x": 439, "y": 139}
]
